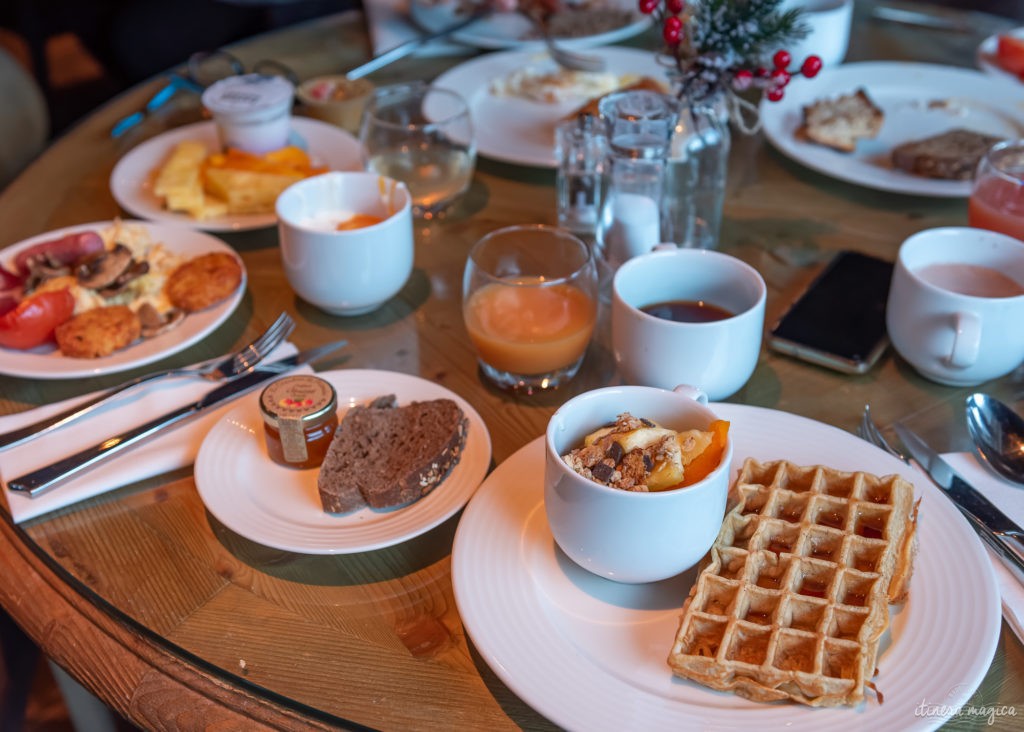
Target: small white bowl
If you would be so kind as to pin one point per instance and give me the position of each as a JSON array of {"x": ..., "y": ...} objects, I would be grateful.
[
  {"x": 623, "y": 535},
  {"x": 353, "y": 271}
]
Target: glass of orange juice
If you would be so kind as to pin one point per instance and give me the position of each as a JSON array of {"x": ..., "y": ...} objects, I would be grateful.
[
  {"x": 997, "y": 198},
  {"x": 529, "y": 299}
]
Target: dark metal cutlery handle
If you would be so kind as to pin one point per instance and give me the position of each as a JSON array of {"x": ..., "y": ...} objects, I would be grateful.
[
  {"x": 1006, "y": 548},
  {"x": 38, "y": 481}
]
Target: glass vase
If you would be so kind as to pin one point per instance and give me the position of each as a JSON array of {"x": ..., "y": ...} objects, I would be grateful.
[{"x": 695, "y": 171}]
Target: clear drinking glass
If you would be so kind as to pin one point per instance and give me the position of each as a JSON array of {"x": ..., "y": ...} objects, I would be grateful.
[
  {"x": 997, "y": 198},
  {"x": 529, "y": 300},
  {"x": 423, "y": 136}
]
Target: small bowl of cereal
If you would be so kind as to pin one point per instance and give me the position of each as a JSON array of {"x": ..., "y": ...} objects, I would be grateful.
[
  {"x": 636, "y": 480},
  {"x": 335, "y": 99}
]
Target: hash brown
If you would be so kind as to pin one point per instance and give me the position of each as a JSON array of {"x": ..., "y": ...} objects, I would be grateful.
[
  {"x": 203, "y": 281},
  {"x": 98, "y": 332}
]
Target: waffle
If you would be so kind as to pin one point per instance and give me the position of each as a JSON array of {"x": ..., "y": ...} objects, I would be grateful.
[{"x": 794, "y": 599}]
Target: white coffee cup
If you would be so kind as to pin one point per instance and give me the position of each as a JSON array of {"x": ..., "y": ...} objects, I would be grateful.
[
  {"x": 956, "y": 304},
  {"x": 828, "y": 23},
  {"x": 623, "y": 535},
  {"x": 348, "y": 272},
  {"x": 717, "y": 357}
]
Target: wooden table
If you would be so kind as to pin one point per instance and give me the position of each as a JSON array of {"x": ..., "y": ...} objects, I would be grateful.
[{"x": 176, "y": 622}]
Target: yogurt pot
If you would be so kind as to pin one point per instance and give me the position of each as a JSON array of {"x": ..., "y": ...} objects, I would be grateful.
[{"x": 252, "y": 111}]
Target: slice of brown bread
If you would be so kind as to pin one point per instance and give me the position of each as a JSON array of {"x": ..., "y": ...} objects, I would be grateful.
[
  {"x": 952, "y": 155},
  {"x": 383, "y": 455},
  {"x": 839, "y": 123}
]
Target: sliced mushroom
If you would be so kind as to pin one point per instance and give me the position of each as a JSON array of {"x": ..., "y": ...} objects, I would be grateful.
[
  {"x": 134, "y": 271},
  {"x": 43, "y": 268},
  {"x": 102, "y": 270},
  {"x": 154, "y": 323}
]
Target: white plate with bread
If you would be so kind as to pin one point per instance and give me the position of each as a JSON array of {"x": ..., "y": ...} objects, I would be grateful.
[
  {"x": 589, "y": 653},
  {"x": 132, "y": 179},
  {"x": 281, "y": 507},
  {"x": 878, "y": 124}
]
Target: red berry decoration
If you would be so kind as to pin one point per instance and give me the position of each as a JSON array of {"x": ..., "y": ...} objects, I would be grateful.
[
  {"x": 780, "y": 77},
  {"x": 675, "y": 6},
  {"x": 761, "y": 72},
  {"x": 648, "y": 6},
  {"x": 781, "y": 59},
  {"x": 811, "y": 67},
  {"x": 775, "y": 94},
  {"x": 673, "y": 30},
  {"x": 742, "y": 79}
]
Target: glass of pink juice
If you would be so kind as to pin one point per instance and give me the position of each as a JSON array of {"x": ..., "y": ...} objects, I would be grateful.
[
  {"x": 997, "y": 198},
  {"x": 529, "y": 301}
]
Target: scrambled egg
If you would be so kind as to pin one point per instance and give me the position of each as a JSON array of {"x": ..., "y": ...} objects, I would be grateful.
[{"x": 547, "y": 83}]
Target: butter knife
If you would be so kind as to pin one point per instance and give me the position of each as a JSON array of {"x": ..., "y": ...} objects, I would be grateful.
[
  {"x": 51, "y": 476},
  {"x": 404, "y": 49},
  {"x": 997, "y": 529}
]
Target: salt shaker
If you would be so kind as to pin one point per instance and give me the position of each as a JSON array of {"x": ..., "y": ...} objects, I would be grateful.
[
  {"x": 638, "y": 125},
  {"x": 580, "y": 148}
]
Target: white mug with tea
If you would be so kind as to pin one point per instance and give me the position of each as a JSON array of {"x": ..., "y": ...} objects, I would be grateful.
[
  {"x": 688, "y": 316},
  {"x": 956, "y": 304}
]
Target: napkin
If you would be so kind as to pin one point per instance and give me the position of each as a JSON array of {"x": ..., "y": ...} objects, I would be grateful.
[
  {"x": 169, "y": 450},
  {"x": 390, "y": 24},
  {"x": 1009, "y": 498}
]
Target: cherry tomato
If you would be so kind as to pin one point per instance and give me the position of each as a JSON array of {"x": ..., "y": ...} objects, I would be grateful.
[
  {"x": 33, "y": 321},
  {"x": 1010, "y": 54}
]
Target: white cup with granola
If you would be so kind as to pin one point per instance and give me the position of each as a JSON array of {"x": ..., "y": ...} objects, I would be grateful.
[{"x": 636, "y": 480}]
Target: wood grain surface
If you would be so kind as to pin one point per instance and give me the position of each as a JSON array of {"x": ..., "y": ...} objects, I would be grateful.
[{"x": 178, "y": 623}]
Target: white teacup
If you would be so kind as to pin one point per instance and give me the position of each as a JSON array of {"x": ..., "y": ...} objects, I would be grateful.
[
  {"x": 828, "y": 23},
  {"x": 956, "y": 304},
  {"x": 353, "y": 271},
  {"x": 622, "y": 535},
  {"x": 717, "y": 357}
]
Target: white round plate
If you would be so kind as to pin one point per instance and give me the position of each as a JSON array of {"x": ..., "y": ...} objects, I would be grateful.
[
  {"x": 512, "y": 30},
  {"x": 46, "y": 362},
  {"x": 590, "y": 654},
  {"x": 986, "y": 56},
  {"x": 280, "y": 507},
  {"x": 522, "y": 131},
  {"x": 919, "y": 100},
  {"x": 131, "y": 181}
]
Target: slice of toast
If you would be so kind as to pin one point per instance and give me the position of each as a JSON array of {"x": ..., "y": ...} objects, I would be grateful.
[
  {"x": 952, "y": 155},
  {"x": 384, "y": 455},
  {"x": 840, "y": 122}
]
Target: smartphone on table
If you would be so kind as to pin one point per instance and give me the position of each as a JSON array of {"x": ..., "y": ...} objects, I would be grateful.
[{"x": 839, "y": 320}]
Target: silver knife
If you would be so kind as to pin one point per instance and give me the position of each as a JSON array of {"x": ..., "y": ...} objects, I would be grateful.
[
  {"x": 404, "y": 49},
  {"x": 997, "y": 529},
  {"x": 52, "y": 475}
]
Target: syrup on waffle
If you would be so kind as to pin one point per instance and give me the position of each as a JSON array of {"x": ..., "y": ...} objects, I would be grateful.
[{"x": 795, "y": 597}]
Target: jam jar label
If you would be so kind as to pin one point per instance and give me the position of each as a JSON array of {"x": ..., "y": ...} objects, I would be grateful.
[{"x": 294, "y": 404}]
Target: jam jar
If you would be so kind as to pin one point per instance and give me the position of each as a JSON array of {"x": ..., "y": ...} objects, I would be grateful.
[{"x": 300, "y": 417}]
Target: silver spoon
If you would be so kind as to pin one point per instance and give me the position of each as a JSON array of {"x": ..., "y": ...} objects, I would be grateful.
[{"x": 998, "y": 433}]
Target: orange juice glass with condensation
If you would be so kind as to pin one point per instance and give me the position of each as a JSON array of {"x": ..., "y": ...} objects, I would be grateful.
[{"x": 530, "y": 304}]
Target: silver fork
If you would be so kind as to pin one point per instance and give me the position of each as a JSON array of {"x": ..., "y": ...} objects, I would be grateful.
[
  {"x": 215, "y": 369},
  {"x": 562, "y": 56},
  {"x": 868, "y": 431}
]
